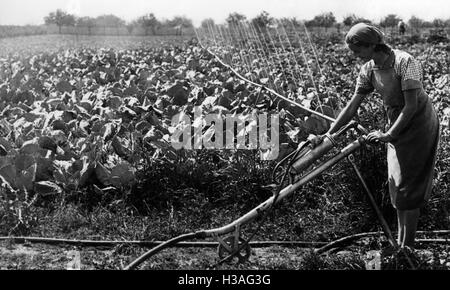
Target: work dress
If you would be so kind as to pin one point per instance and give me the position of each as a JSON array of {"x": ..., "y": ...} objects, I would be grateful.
[{"x": 411, "y": 156}]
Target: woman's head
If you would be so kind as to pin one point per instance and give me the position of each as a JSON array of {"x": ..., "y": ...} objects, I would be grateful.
[
  {"x": 364, "y": 39},
  {"x": 364, "y": 34}
]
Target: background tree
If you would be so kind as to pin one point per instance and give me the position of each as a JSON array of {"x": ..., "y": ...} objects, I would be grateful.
[
  {"x": 391, "y": 21},
  {"x": 324, "y": 20},
  {"x": 349, "y": 20},
  {"x": 438, "y": 23},
  {"x": 130, "y": 26},
  {"x": 60, "y": 18},
  {"x": 149, "y": 22},
  {"x": 427, "y": 24},
  {"x": 109, "y": 21},
  {"x": 262, "y": 21},
  {"x": 87, "y": 22},
  {"x": 234, "y": 18},
  {"x": 447, "y": 22},
  {"x": 352, "y": 19},
  {"x": 233, "y": 21},
  {"x": 288, "y": 23},
  {"x": 180, "y": 23},
  {"x": 206, "y": 23},
  {"x": 310, "y": 23},
  {"x": 415, "y": 23}
]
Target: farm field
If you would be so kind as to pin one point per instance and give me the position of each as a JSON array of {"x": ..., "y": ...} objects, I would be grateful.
[{"x": 85, "y": 154}]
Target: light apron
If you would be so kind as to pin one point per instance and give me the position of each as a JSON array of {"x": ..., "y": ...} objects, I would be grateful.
[{"x": 411, "y": 156}]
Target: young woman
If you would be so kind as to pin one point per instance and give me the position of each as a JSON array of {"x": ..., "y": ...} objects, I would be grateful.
[{"x": 413, "y": 134}]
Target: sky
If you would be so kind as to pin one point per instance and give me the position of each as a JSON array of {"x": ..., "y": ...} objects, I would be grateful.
[{"x": 22, "y": 12}]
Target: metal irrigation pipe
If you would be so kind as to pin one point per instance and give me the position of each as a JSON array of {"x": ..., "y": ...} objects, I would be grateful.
[
  {"x": 151, "y": 244},
  {"x": 255, "y": 244}
]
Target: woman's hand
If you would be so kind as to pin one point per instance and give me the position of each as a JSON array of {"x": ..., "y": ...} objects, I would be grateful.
[
  {"x": 378, "y": 136},
  {"x": 316, "y": 140}
]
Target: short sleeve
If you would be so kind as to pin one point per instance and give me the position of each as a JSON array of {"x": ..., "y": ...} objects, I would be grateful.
[
  {"x": 410, "y": 73},
  {"x": 363, "y": 83}
]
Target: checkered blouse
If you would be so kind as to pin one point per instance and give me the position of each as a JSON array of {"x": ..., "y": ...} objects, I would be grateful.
[{"x": 405, "y": 66}]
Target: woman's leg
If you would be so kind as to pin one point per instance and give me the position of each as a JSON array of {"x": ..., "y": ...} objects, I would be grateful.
[
  {"x": 401, "y": 226},
  {"x": 407, "y": 227},
  {"x": 411, "y": 220}
]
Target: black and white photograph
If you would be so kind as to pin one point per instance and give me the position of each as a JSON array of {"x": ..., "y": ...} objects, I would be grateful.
[{"x": 225, "y": 140}]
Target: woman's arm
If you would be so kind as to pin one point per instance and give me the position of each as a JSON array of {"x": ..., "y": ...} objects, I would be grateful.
[
  {"x": 344, "y": 117},
  {"x": 347, "y": 113},
  {"x": 402, "y": 121},
  {"x": 406, "y": 114}
]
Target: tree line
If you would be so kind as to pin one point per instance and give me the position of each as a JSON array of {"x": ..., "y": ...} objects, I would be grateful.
[
  {"x": 148, "y": 23},
  {"x": 327, "y": 20}
]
